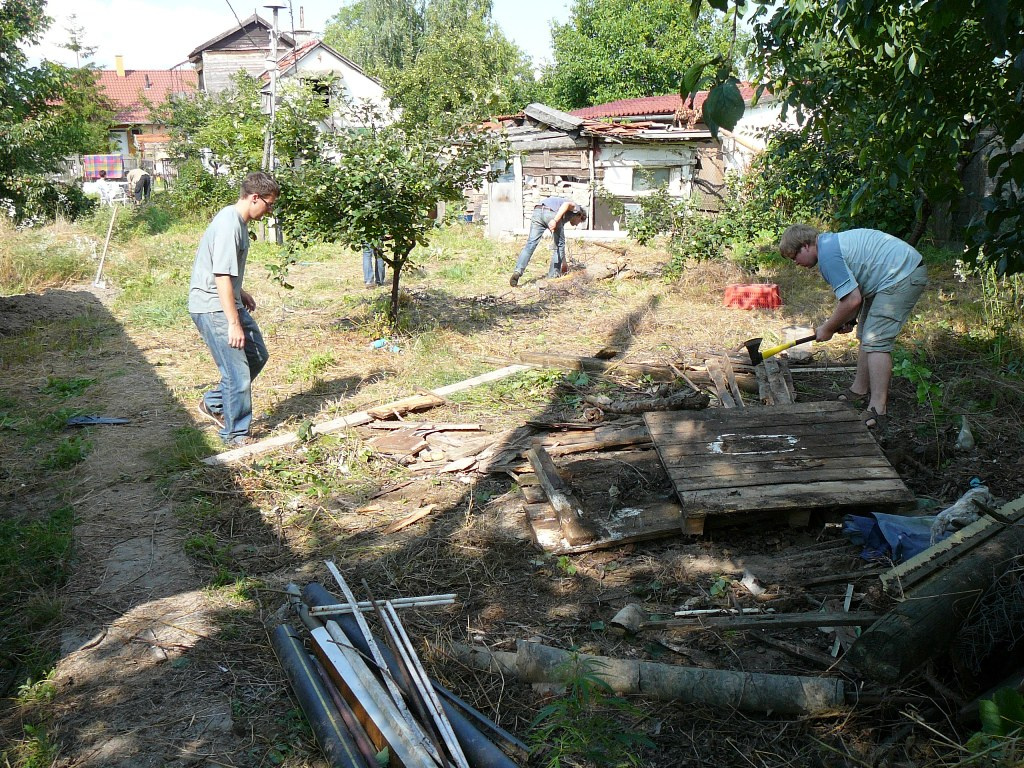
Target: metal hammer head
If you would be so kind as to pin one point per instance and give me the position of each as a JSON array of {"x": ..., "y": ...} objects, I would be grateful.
[{"x": 754, "y": 350}]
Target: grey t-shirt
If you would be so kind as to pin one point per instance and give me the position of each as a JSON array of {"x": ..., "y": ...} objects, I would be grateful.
[
  {"x": 864, "y": 258},
  {"x": 222, "y": 251}
]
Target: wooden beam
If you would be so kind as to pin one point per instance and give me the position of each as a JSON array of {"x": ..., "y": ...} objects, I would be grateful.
[
  {"x": 352, "y": 420},
  {"x": 574, "y": 527}
]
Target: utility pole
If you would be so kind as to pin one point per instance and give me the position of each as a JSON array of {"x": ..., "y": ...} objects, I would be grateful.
[{"x": 269, "y": 151}]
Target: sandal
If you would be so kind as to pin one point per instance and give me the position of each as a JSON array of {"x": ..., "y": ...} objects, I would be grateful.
[
  {"x": 879, "y": 421},
  {"x": 851, "y": 397}
]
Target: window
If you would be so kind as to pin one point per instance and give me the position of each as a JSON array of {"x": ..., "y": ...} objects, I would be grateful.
[{"x": 646, "y": 179}]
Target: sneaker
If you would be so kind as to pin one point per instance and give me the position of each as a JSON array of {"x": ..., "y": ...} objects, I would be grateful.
[
  {"x": 206, "y": 413},
  {"x": 514, "y": 280},
  {"x": 241, "y": 442}
]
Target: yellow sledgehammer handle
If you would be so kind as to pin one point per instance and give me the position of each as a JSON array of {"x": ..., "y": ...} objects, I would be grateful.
[{"x": 766, "y": 353}]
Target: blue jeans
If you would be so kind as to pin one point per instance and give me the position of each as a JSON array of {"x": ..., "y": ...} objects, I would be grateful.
[
  {"x": 374, "y": 269},
  {"x": 538, "y": 226},
  {"x": 232, "y": 398}
]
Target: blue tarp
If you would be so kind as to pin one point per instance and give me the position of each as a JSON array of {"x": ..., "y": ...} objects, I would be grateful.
[{"x": 890, "y": 537}]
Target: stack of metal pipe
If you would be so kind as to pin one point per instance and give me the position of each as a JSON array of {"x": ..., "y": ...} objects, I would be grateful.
[{"x": 369, "y": 701}]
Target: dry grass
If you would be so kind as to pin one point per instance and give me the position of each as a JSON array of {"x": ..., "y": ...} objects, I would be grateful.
[{"x": 278, "y": 518}]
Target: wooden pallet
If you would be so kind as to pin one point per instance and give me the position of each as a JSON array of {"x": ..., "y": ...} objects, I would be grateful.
[{"x": 787, "y": 458}]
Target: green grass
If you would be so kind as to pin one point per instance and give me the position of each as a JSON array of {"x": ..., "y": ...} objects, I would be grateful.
[
  {"x": 64, "y": 388},
  {"x": 312, "y": 368},
  {"x": 70, "y": 451},
  {"x": 35, "y": 551}
]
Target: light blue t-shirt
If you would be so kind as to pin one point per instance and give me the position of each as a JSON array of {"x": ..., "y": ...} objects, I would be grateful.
[
  {"x": 222, "y": 251},
  {"x": 555, "y": 204},
  {"x": 864, "y": 258}
]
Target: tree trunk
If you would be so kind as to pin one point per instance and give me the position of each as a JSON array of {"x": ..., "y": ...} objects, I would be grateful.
[
  {"x": 923, "y": 626},
  {"x": 922, "y": 221}
]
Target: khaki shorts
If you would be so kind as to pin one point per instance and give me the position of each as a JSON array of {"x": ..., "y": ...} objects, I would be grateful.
[{"x": 883, "y": 315}]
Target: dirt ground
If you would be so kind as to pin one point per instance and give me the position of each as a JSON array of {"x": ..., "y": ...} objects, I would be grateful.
[{"x": 160, "y": 669}]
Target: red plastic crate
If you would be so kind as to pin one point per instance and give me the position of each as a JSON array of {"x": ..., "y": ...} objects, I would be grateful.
[{"x": 754, "y": 296}]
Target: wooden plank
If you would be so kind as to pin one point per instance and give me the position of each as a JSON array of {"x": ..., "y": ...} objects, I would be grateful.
[
  {"x": 730, "y": 377},
  {"x": 721, "y": 385},
  {"x": 553, "y": 117},
  {"x": 781, "y": 394},
  {"x": 484, "y": 378},
  {"x": 768, "y": 441},
  {"x": 768, "y": 621},
  {"x": 624, "y": 526},
  {"x": 714, "y": 418},
  {"x": 767, "y": 481},
  {"x": 689, "y": 455},
  {"x": 786, "y": 495},
  {"x": 354, "y": 678},
  {"x": 705, "y": 466},
  {"x": 575, "y": 528}
]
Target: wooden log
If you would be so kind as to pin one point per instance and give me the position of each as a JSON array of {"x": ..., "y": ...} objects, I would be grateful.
[
  {"x": 746, "y": 382},
  {"x": 922, "y": 626},
  {"x": 720, "y": 689},
  {"x": 570, "y": 512},
  {"x": 678, "y": 401},
  {"x": 599, "y": 441}
]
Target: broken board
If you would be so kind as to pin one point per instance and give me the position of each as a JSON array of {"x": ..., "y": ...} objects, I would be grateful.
[
  {"x": 785, "y": 459},
  {"x": 626, "y": 524}
]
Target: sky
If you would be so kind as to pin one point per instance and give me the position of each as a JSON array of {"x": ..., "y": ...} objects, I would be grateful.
[{"x": 158, "y": 34}]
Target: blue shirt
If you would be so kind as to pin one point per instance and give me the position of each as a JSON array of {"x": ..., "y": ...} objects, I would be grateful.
[
  {"x": 864, "y": 258},
  {"x": 555, "y": 204}
]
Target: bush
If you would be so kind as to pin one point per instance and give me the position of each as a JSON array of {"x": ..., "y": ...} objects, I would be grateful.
[
  {"x": 198, "y": 193},
  {"x": 31, "y": 201}
]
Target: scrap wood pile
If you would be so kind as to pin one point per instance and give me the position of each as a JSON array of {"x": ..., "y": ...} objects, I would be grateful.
[{"x": 367, "y": 696}]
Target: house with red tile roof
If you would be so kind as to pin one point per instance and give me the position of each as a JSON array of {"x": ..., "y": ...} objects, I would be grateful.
[{"x": 134, "y": 92}]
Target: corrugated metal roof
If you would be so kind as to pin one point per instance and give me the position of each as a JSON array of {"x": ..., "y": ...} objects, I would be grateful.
[
  {"x": 155, "y": 85},
  {"x": 668, "y": 104}
]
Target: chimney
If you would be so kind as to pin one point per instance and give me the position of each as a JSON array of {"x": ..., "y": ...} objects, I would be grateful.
[{"x": 119, "y": 65}]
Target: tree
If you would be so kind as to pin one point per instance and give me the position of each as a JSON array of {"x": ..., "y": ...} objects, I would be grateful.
[
  {"x": 436, "y": 59},
  {"x": 76, "y": 42},
  {"x": 225, "y": 133},
  {"x": 378, "y": 35},
  {"x": 381, "y": 187},
  {"x": 620, "y": 49},
  {"x": 936, "y": 78},
  {"x": 466, "y": 70},
  {"x": 46, "y": 113}
]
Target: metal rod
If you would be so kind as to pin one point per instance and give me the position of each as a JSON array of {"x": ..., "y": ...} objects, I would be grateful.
[
  {"x": 402, "y": 602},
  {"x": 424, "y": 684}
]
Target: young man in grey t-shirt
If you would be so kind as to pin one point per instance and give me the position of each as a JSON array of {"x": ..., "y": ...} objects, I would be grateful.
[{"x": 220, "y": 308}]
